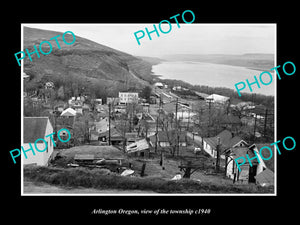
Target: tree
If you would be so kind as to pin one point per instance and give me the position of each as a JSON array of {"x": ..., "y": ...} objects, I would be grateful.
[
  {"x": 32, "y": 108},
  {"x": 61, "y": 93},
  {"x": 146, "y": 93},
  {"x": 166, "y": 121},
  {"x": 81, "y": 128},
  {"x": 143, "y": 127}
]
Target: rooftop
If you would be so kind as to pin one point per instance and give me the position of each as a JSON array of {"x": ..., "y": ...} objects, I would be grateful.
[
  {"x": 218, "y": 98},
  {"x": 227, "y": 140},
  {"x": 68, "y": 112},
  {"x": 34, "y": 128},
  {"x": 241, "y": 152},
  {"x": 266, "y": 154}
]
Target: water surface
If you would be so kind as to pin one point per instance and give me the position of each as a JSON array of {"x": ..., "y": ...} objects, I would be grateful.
[{"x": 213, "y": 75}]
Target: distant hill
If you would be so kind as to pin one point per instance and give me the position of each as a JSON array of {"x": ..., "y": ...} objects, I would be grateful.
[
  {"x": 151, "y": 60},
  {"x": 83, "y": 64},
  {"x": 257, "y": 61}
]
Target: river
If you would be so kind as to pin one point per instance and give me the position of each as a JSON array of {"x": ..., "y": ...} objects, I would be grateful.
[{"x": 213, "y": 75}]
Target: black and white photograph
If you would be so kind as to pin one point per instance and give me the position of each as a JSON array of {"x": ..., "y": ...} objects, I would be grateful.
[
  {"x": 143, "y": 109},
  {"x": 150, "y": 111}
]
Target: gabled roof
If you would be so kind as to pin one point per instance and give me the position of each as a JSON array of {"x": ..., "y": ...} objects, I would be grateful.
[
  {"x": 241, "y": 152},
  {"x": 226, "y": 140},
  {"x": 34, "y": 128},
  {"x": 266, "y": 154},
  {"x": 233, "y": 141},
  {"x": 225, "y": 136},
  {"x": 68, "y": 112}
]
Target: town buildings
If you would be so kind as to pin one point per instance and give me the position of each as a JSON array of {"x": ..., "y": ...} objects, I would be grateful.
[
  {"x": 128, "y": 97},
  {"x": 138, "y": 131}
]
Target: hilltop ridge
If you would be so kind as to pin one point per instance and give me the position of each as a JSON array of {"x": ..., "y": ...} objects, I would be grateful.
[{"x": 85, "y": 62}]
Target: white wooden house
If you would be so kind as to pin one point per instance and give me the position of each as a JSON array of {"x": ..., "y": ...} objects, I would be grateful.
[
  {"x": 258, "y": 173},
  {"x": 226, "y": 141},
  {"x": 247, "y": 173},
  {"x": 35, "y": 128}
]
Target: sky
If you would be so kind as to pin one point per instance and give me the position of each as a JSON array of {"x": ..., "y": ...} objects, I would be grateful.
[{"x": 194, "y": 38}]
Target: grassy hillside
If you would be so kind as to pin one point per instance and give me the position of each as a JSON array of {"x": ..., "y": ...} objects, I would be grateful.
[
  {"x": 85, "y": 62},
  {"x": 82, "y": 177}
]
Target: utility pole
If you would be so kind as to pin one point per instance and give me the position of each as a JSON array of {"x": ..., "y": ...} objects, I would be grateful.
[{"x": 158, "y": 117}]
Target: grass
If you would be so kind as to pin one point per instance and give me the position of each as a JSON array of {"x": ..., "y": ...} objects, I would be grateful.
[
  {"x": 86, "y": 178},
  {"x": 44, "y": 188}
]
